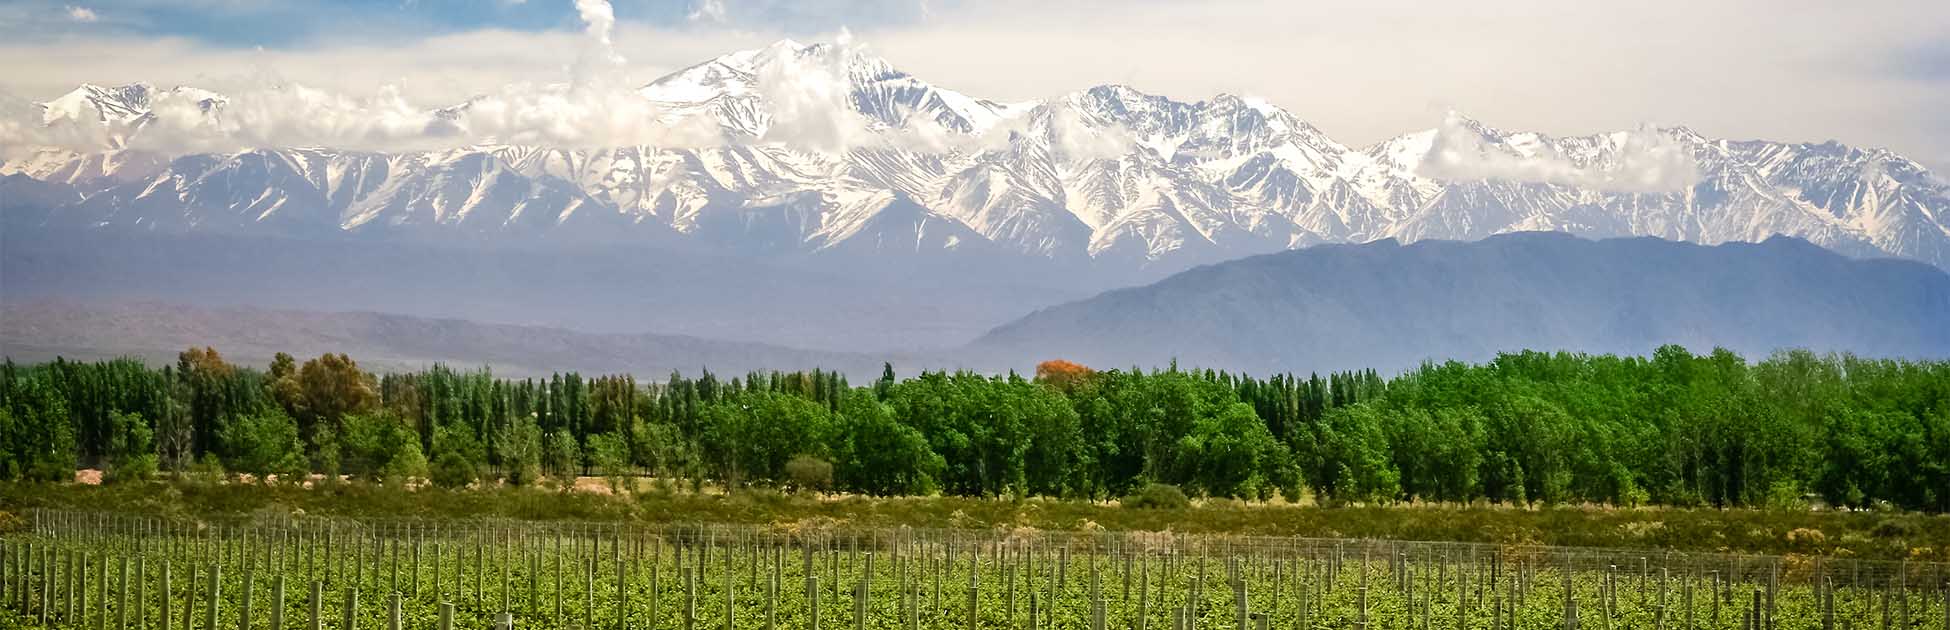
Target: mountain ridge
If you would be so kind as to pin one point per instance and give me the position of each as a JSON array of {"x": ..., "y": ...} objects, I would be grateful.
[
  {"x": 155, "y": 331},
  {"x": 824, "y": 148},
  {"x": 1391, "y": 305}
]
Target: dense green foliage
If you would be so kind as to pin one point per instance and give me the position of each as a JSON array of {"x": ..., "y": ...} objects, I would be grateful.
[{"x": 1672, "y": 429}]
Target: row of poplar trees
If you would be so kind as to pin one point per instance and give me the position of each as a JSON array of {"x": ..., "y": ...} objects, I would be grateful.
[{"x": 1674, "y": 428}]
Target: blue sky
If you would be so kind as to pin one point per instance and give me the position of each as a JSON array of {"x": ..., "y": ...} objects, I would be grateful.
[
  {"x": 1873, "y": 74},
  {"x": 300, "y": 23}
]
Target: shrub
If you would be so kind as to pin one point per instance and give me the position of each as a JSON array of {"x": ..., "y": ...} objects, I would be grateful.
[
  {"x": 1895, "y": 528},
  {"x": 131, "y": 468},
  {"x": 407, "y": 463},
  {"x": 208, "y": 470},
  {"x": 809, "y": 473},
  {"x": 1159, "y": 496},
  {"x": 453, "y": 470}
]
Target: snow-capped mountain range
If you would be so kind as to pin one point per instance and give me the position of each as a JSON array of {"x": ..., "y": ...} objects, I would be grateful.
[{"x": 825, "y": 148}]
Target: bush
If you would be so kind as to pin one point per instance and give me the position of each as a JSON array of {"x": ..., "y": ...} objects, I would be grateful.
[
  {"x": 406, "y": 465},
  {"x": 1158, "y": 496},
  {"x": 809, "y": 473},
  {"x": 453, "y": 470},
  {"x": 1894, "y": 528},
  {"x": 208, "y": 470},
  {"x": 131, "y": 468}
]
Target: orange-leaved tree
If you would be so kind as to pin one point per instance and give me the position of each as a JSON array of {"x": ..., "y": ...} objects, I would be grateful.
[{"x": 1061, "y": 374}]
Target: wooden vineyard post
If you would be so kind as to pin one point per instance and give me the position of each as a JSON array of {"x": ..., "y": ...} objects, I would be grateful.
[
  {"x": 439, "y": 587},
  {"x": 730, "y": 594},
  {"x": 772, "y": 600},
  {"x": 480, "y": 569},
  {"x": 78, "y": 612},
  {"x": 446, "y": 616},
  {"x": 317, "y": 605},
  {"x": 686, "y": 576},
  {"x": 348, "y": 621},
  {"x": 860, "y": 601},
  {"x": 974, "y": 590},
  {"x": 141, "y": 592},
  {"x": 558, "y": 584},
  {"x": 244, "y": 609},
  {"x": 622, "y": 585},
  {"x": 277, "y": 603},
  {"x": 122, "y": 598},
  {"x": 1570, "y": 604},
  {"x": 162, "y": 616},
  {"x": 1759, "y": 613},
  {"x": 812, "y": 601},
  {"x": 1716, "y": 595},
  {"x": 1009, "y": 592},
  {"x": 392, "y": 612},
  {"x": 216, "y": 597},
  {"x": 1689, "y": 602},
  {"x": 1241, "y": 608},
  {"x": 1361, "y": 604}
]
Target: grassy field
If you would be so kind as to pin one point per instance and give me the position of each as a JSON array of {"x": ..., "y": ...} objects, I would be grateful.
[{"x": 1848, "y": 535}]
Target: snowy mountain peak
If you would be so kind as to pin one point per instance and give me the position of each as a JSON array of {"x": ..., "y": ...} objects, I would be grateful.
[
  {"x": 101, "y": 104},
  {"x": 826, "y": 147}
]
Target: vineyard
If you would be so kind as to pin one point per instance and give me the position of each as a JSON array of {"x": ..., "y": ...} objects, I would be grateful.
[{"x": 103, "y": 571}]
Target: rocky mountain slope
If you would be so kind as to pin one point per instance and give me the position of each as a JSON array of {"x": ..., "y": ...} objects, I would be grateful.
[{"x": 826, "y": 149}]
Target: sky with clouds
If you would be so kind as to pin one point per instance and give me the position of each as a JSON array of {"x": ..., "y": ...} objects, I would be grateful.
[{"x": 1873, "y": 73}]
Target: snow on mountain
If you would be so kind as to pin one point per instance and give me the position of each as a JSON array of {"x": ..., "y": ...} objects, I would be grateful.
[{"x": 827, "y": 148}]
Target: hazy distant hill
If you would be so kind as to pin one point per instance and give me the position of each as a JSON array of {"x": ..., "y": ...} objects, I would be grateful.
[
  {"x": 1390, "y": 305},
  {"x": 157, "y": 331}
]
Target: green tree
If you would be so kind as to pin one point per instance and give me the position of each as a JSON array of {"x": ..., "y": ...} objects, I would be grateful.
[
  {"x": 132, "y": 449},
  {"x": 38, "y": 435},
  {"x": 562, "y": 459},
  {"x": 1233, "y": 454},
  {"x": 264, "y": 444},
  {"x": 609, "y": 454},
  {"x": 749, "y": 437},
  {"x": 876, "y": 455},
  {"x": 520, "y": 450}
]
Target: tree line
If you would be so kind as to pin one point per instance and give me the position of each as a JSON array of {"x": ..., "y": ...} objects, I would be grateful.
[{"x": 1675, "y": 428}]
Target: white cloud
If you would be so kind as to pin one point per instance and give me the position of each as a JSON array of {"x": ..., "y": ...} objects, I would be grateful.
[
  {"x": 1640, "y": 161},
  {"x": 811, "y": 103},
  {"x": 1362, "y": 72},
  {"x": 709, "y": 11},
  {"x": 599, "y": 20},
  {"x": 597, "y": 107},
  {"x": 81, "y": 14}
]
